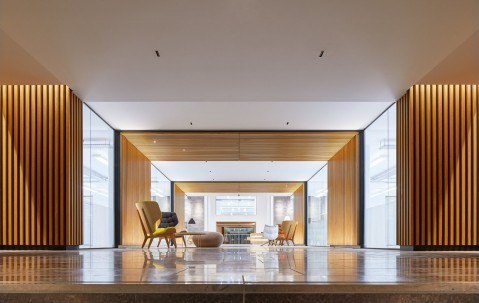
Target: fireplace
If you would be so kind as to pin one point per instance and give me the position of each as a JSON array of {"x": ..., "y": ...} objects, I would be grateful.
[{"x": 236, "y": 232}]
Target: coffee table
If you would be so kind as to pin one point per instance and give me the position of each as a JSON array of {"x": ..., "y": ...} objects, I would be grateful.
[{"x": 182, "y": 234}]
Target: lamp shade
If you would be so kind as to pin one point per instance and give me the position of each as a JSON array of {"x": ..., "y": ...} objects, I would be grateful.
[
  {"x": 192, "y": 221},
  {"x": 287, "y": 218}
]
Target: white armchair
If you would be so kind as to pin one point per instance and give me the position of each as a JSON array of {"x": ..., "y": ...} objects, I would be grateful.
[{"x": 270, "y": 233}]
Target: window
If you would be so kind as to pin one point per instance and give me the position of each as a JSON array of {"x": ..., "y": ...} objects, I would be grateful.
[
  {"x": 380, "y": 181},
  {"x": 98, "y": 197},
  {"x": 235, "y": 206}
]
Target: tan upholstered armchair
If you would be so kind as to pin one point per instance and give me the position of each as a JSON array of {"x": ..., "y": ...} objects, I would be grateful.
[{"x": 284, "y": 230}]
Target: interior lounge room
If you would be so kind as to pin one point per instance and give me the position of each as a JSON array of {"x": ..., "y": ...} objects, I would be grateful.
[{"x": 239, "y": 151}]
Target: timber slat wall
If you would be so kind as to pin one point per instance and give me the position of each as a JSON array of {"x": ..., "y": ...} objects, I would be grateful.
[
  {"x": 41, "y": 166},
  {"x": 343, "y": 195},
  {"x": 438, "y": 165},
  {"x": 135, "y": 180},
  {"x": 180, "y": 206},
  {"x": 299, "y": 209}
]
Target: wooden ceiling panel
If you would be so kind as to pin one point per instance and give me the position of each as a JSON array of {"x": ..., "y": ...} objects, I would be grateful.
[
  {"x": 292, "y": 146},
  {"x": 235, "y": 146},
  {"x": 238, "y": 187},
  {"x": 181, "y": 146}
]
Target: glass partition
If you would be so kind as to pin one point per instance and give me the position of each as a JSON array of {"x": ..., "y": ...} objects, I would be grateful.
[
  {"x": 317, "y": 225},
  {"x": 98, "y": 196},
  {"x": 160, "y": 189},
  {"x": 380, "y": 182}
]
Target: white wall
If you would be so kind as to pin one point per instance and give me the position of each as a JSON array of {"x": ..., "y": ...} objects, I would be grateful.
[{"x": 263, "y": 210}]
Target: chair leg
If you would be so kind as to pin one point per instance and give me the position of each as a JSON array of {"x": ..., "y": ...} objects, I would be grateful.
[
  {"x": 167, "y": 242},
  {"x": 149, "y": 244},
  {"x": 159, "y": 241},
  {"x": 144, "y": 242},
  {"x": 173, "y": 240}
]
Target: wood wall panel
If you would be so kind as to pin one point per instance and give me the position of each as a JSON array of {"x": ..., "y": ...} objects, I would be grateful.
[
  {"x": 236, "y": 146},
  {"x": 179, "y": 206},
  {"x": 41, "y": 166},
  {"x": 135, "y": 186},
  {"x": 299, "y": 212},
  {"x": 438, "y": 166},
  {"x": 343, "y": 195},
  {"x": 239, "y": 187}
]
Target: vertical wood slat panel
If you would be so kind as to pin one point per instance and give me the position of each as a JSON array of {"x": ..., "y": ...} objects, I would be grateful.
[
  {"x": 21, "y": 163},
  {"x": 441, "y": 126},
  {"x": 343, "y": 198},
  {"x": 135, "y": 181},
  {"x": 4, "y": 146},
  {"x": 475, "y": 164},
  {"x": 26, "y": 199},
  {"x": 35, "y": 128}
]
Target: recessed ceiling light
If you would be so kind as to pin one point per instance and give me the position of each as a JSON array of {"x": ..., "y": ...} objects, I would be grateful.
[
  {"x": 157, "y": 53},
  {"x": 154, "y": 141},
  {"x": 321, "y": 54}
]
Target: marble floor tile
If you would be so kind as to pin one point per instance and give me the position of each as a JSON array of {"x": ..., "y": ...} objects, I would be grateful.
[{"x": 239, "y": 264}]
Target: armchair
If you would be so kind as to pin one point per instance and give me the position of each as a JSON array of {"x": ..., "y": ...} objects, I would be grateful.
[
  {"x": 150, "y": 217},
  {"x": 284, "y": 230}
]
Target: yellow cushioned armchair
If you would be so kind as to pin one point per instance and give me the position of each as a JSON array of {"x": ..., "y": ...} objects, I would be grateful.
[{"x": 150, "y": 217}]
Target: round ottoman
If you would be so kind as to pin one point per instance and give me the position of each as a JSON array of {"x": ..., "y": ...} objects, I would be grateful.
[{"x": 211, "y": 239}]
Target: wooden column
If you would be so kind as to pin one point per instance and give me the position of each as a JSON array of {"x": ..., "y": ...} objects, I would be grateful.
[
  {"x": 40, "y": 166},
  {"x": 437, "y": 164},
  {"x": 299, "y": 209},
  {"x": 135, "y": 186},
  {"x": 180, "y": 207},
  {"x": 343, "y": 195}
]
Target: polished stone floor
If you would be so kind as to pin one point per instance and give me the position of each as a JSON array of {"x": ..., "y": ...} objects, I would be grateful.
[
  {"x": 239, "y": 269},
  {"x": 242, "y": 265}
]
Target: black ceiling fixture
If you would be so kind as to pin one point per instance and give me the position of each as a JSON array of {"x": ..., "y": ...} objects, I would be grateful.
[
  {"x": 321, "y": 54},
  {"x": 157, "y": 53}
]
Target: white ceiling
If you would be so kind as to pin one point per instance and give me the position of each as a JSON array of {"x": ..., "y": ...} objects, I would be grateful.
[
  {"x": 234, "y": 51},
  {"x": 239, "y": 115},
  {"x": 239, "y": 170}
]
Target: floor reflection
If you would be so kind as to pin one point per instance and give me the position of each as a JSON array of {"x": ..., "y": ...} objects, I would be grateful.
[{"x": 236, "y": 265}]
